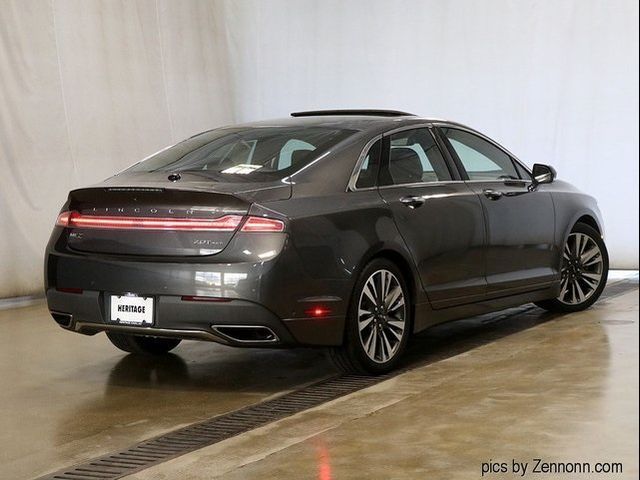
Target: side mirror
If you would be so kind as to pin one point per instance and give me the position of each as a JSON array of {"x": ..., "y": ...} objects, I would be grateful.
[{"x": 543, "y": 173}]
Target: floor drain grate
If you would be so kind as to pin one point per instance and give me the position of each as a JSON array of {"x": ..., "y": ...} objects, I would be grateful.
[{"x": 199, "y": 435}]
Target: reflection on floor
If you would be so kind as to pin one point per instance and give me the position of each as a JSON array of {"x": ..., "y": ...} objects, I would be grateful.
[
  {"x": 493, "y": 388},
  {"x": 66, "y": 397}
]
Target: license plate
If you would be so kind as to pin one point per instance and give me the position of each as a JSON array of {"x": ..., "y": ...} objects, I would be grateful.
[{"x": 132, "y": 309}]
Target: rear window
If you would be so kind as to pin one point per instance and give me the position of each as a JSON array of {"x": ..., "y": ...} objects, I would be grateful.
[{"x": 256, "y": 153}]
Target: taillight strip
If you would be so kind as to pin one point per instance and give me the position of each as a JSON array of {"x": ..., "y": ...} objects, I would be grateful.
[
  {"x": 263, "y": 225},
  {"x": 228, "y": 223}
]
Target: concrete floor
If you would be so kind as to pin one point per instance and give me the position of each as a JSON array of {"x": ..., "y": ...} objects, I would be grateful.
[
  {"x": 67, "y": 397},
  {"x": 498, "y": 387}
]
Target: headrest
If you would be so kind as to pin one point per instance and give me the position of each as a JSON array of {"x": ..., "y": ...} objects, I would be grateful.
[
  {"x": 297, "y": 156},
  {"x": 404, "y": 165}
]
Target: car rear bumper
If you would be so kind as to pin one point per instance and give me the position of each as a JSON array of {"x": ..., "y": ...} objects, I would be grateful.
[
  {"x": 86, "y": 313},
  {"x": 261, "y": 281},
  {"x": 237, "y": 323}
]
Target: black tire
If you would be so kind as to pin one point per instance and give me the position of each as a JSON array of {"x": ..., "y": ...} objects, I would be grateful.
[
  {"x": 556, "y": 304},
  {"x": 352, "y": 357},
  {"x": 143, "y": 345}
]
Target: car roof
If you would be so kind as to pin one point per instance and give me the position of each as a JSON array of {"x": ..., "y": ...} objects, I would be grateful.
[{"x": 358, "y": 122}]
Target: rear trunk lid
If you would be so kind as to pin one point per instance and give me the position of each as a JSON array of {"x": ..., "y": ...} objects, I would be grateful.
[{"x": 138, "y": 214}]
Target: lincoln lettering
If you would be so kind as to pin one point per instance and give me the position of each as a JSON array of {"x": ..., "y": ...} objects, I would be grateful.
[{"x": 131, "y": 308}]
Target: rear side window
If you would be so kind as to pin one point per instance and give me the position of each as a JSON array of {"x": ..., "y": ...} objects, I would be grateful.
[
  {"x": 482, "y": 160},
  {"x": 414, "y": 157},
  {"x": 368, "y": 175},
  {"x": 263, "y": 153}
]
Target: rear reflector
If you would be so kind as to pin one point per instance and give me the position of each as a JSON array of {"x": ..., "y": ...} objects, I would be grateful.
[
  {"x": 318, "y": 311},
  {"x": 228, "y": 223},
  {"x": 261, "y": 224}
]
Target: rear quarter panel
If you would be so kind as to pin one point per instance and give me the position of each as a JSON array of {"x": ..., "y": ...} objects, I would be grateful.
[{"x": 334, "y": 236}]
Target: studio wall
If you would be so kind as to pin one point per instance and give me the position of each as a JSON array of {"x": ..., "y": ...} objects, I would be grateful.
[
  {"x": 554, "y": 81},
  {"x": 88, "y": 87}
]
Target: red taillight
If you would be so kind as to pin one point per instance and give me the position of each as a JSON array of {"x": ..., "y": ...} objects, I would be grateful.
[
  {"x": 63, "y": 219},
  {"x": 261, "y": 224},
  {"x": 317, "y": 311},
  {"x": 228, "y": 223}
]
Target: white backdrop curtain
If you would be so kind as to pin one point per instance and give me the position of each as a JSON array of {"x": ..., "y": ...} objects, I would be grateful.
[
  {"x": 87, "y": 88},
  {"x": 555, "y": 81},
  {"x": 90, "y": 86}
]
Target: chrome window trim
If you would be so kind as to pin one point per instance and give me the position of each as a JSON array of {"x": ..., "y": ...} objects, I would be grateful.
[
  {"x": 442, "y": 183},
  {"x": 351, "y": 186},
  {"x": 422, "y": 184},
  {"x": 447, "y": 182},
  {"x": 500, "y": 180},
  {"x": 413, "y": 126}
]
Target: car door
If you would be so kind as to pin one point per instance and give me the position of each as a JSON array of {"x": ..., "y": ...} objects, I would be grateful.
[
  {"x": 520, "y": 220},
  {"x": 439, "y": 217}
]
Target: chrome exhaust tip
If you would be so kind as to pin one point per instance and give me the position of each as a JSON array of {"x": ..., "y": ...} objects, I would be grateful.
[{"x": 246, "y": 333}]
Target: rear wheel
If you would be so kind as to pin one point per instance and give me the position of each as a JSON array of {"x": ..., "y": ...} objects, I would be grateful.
[
  {"x": 585, "y": 266},
  {"x": 142, "y": 345},
  {"x": 378, "y": 322}
]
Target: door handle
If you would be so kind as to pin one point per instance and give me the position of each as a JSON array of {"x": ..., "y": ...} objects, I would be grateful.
[
  {"x": 412, "y": 202},
  {"x": 492, "y": 194}
]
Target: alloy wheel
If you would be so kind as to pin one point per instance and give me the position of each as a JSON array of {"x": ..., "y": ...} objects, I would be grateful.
[
  {"x": 582, "y": 269},
  {"x": 381, "y": 316}
]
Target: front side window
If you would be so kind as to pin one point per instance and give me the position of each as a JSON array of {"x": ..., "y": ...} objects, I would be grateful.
[
  {"x": 255, "y": 154},
  {"x": 414, "y": 157},
  {"x": 481, "y": 159}
]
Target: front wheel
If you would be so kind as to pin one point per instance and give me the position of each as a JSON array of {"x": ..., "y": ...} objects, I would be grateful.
[
  {"x": 143, "y": 345},
  {"x": 378, "y": 323},
  {"x": 585, "y": 266}
]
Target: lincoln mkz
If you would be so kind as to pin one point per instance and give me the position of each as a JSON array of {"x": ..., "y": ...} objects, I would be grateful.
[{"x": 346, "y": 229}]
